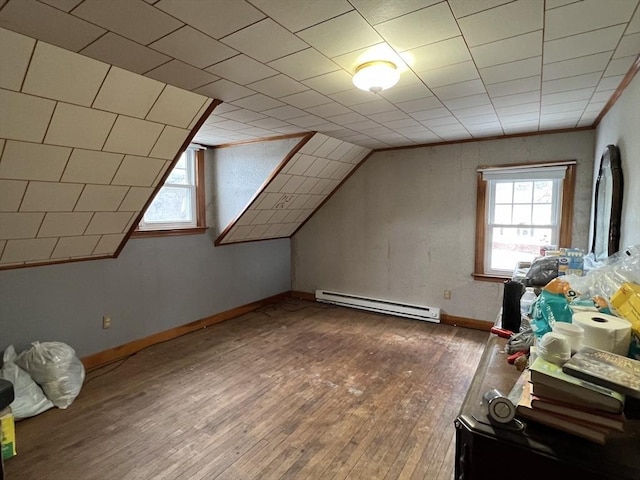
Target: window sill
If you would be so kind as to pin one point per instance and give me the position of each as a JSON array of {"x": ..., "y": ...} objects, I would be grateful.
[
  {"x": 168, "y": 233},
  {"x": 483, "y": 277}
]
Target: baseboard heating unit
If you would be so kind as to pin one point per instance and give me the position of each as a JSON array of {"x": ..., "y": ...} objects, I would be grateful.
[{"x": 418, "y": 312}]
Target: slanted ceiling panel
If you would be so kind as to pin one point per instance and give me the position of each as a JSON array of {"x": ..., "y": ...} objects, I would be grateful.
[
  {"x": 311, "y": 174},
  {"x": 83, "y": 145}
]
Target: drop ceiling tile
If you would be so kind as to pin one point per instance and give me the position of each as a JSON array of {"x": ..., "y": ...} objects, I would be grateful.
[
  {"x": 508, "y": 50},
  {"x": 401, "y": 124},
  {"x": 263, "y": 217},
  {"x": 24, "y": 117},
  {"x": 342, "y": 34},
  {"x": 329, "y": 109},
  {"x": 563, "y": 97},
  {"x": 135, "y": 20},
  {"x": 242, "y": 70},
  {"x": 418, "y": 105},
  {"x": 304, "y": 64},
  {"x": 180, "y": 45},
  {"x": 619, "y": 66},
  {"x": 19, "y": 225},
  {"x": 269, "y": 123},
  {"x": 457, "y": 73},
  {"x": 306, "y": 99},
  {"x": 28, "y": 250},
  {"x": 328, "y": 146},
  {"x": 135, "y": 199},
  {"x": 33, "y": 161},
  {"x": 251, "y": 41},
  {"x": 258, "y": 102},
  {"x": 127, "y": 93},
  {"x": 422, "y": 27},
  {"x": 586, "y": 16},
  {"x": 46, "y": 23},
  {"x": 464, "y": 89},
  {"x": 377, "y": 12},
  {"x": 437, "y": 55},
  {"x": 463, "y": 8},
  {"x": 59, "y": 74},
  {"x": 599, "y": 96},
  {"x": 11, "y": 192},
  {"x": 571, "y": 83},
  {"x": 354, "y": 96},
  {"x": 65, "y": 5},
  {"x": 225, "y": 90},
  {"x": 440, "y": 121},
  {"x": 296, "y": 16},
  {"x": 516, "y": 99},
  {"x": 15, "y": 51},
  {"x": 124, "y": 53},
  {"x": 580, "y": 105},
  {"x": 100, "y": 198},
  {"x": 213, "y": 18},
  {"x": 169, "y": 143},
  {"x": 50, "y": 197},
  {"x": 388, "y": 116},
  {"x": 285, "y": 112},
  {"x": 490, "y": 120},
  {"x": 576, "y": 66},
  {"x": 305, "y": 188},
  {"x": 80, "y": 127},
  {"x": 598, "y": 41},
  {"x": 404, "y": 94},
  {"x": 519, "y": 109},
  {"x": 329, "y": 83},
  {"x": 629, "y": 45},
  {"x": 89, "y": 166},
  {"x": 278, "y": 86},
  {"x": 108, "y": 223},
  {"x": 512, "y": 71},
  {"x": 278, "y": 182},
  {"x": 182, "y": 75},
  {"x": 609, "y": 83},
  {"x": 516, "y": 18},
  {"x": 64, "y": 224},
  {"x": 377, "y": 106},
  {"x": 70, "y": 247},
  {"x": 514, "y": 86},
  {"x": 138, "y": 171},
  {"x": 176, "y": 107},
  {"x": 202, "y": 111},
  {"x": 132, "y": 136}
]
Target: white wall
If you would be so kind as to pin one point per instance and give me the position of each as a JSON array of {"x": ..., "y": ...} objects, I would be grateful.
[
  {"x": 402, "y": 227},
  {"x": 621, "y": 127}
]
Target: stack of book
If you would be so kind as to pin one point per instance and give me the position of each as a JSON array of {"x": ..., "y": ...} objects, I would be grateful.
[{"x": 585, "y": 397}]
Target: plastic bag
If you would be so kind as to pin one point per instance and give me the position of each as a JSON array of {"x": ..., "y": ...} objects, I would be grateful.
[
  {"x": 56, "y": 368},
  {"x": 550, "y": 307},
  {"x": 29, "y": 398}
]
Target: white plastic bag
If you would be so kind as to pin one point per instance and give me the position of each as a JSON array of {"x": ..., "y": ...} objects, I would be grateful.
[
  {"x": 56, "y": 368},
  {"x": 29, "y": 399}
]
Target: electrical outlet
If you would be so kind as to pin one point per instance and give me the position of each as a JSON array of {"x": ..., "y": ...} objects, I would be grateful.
[
  {"x": 106, "y": 321},
  {"x": 447, "y": 294}
]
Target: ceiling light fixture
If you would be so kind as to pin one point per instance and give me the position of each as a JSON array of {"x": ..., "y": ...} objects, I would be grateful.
[{"x": 376, "y": 76}]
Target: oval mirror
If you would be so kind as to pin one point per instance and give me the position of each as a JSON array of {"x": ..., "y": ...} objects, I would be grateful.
[{"x": 607, "y": 205}]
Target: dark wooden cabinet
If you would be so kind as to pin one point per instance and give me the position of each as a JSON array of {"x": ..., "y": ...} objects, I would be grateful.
[{"x": 486, "y": 451}]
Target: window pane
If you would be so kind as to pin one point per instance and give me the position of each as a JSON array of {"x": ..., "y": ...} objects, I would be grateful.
[
  {"x": 522, "y": 214},
  {"x": 503, "y": 192},
  {"x": 502, "y": 214},
  {"x": 522, "y": 192},
  {"x": 541, "y": 215},
  {"x": 511, "y": 245},
  {"x": 543, "y": 192},
  {"x": 172, "y": 204}
]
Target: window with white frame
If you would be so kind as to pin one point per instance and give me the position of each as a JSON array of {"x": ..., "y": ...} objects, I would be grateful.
[{"x": 522, "y": 211}]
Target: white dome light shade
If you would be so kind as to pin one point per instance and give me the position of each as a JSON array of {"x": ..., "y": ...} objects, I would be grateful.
[{"x": 376, "y": 76}]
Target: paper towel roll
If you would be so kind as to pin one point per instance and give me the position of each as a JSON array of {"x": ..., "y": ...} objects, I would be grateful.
[{"x": 604, "y": 332}]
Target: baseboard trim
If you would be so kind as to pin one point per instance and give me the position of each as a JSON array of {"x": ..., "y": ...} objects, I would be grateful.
[
  {"x": 114, "y": 354},
  {"x": 302, "y": 295},
  {"x": 465, "y": 322}
]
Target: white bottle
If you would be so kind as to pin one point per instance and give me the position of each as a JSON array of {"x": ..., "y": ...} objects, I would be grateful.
[{"x": 527, "y": 300}]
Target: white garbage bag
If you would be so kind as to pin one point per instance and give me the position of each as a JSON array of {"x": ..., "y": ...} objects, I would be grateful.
[
  {"x": 29, "y": 399},
  {"x": 56, "y": 368}
]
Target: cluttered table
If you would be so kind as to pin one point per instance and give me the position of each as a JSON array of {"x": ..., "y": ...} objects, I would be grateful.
[{"x": 486, "y": 450}]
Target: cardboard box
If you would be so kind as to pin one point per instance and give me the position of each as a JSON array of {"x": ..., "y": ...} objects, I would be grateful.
[{"x": 7, "y": 434}]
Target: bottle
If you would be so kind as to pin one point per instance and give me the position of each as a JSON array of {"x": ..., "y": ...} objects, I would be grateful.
[{"x": 527, "y": 300}]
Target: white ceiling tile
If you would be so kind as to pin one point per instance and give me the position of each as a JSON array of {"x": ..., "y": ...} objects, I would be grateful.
[
  {"x": 480, "y": 121},
  {"x": 308, "y": 98},
  {"x": 619, "y": 66},
  {"x": 304, "y": 64},
  {"x": 404, "y": 94},
  {"x": 514, "y": 86},
  {"x": 269, "y": 123},
  {"x": 225, "y": 90},
  {"x": 202, "y": 111},
  {"x": 481, "y": 110},
  {"x": 328, "y": 110},
  {"x": 176, "y": 107},
  {"x": 516, "y": 18},
  {"x": 563, "y": 97},
  {"x": 65, "y": 5},
  {"x": 24, "y": 117},
  {"x": 634, "y": 23},
  {"x": 180, "y": 74},
  {"x": 519, "y": 109},
  {"x": 11, "y": 192},
  {"x": 468, "y": 101},
  {"x": 80, "y": 127},
  {"x": 585, "y": 16},
  {"x": 329, "y": 83},
  {"x": 609, "y": 83},
  {"x": 464, "y": 89},
  {"x": 169, "y": 143},
  {"x": 89, "y": 166},
  {"x": 135, "y": 20},
  {"x": 33, "y": 161},
  {"x": 599, "y": 96},
  {"x": 571, "y": 83},
  {"x": 216, "y": 19},
  {"x": 124, "y": 53},
  {"x": 355, "y": 96},
  {"x": 598, "y": 41},
  {"x": 440, "y": 121},
  {"x": 512, "y": 71},
  {"x": 580, "y": 105},
  {"x": 551, "y": 4},
  {"x": 418, "y": 105},
  {"x": 132, "y": 136},
  {"x": 258, "y": 102},
  {"x": 422, "y": 27},
  {"x": 135, "y": 199},
  {"x": 50, "y": 197},
  {"x": 28, "y": 250},
  {"x": 376, "y": 12},
  {"x": 295, "y": 15},
  {"x": 284, "y": 113},
  {"x": 347, "y": 118},
  {"x": 629, "y": 45},
  {"x": 576, "y": 66},
  {"x": 100, "y": 198},
  {"x": 251, "y": 41},
  {"x": 463, "y": 8},
  {"x": 424, "y": 115},
  {"x": 342, "y": 34},
  {"x": 307, "y": 121},
  {"x": 508, "y": 50},
  {"x": 19, "y": 225},
  {"x": 436, "y": 55},
  {"x": 516, "y": 99},
  {"x": 457, "y": 73},
  {"x": 63, "y": 75},
  {"x": 388, "y": 116},
  {"x": 49, "y": 24},
  {"x": 377, "y": 106},
  {"x": 127, "y": 93},
  {"x": 108, "y": 222},
  {"x": 402, "y": 123},
  {"x": 520, "y": 127},
  {"x": 242, "y": 70},
  {"x": 70, "y": 247},
  {"x": 61, "y": 224},
  {"x": 278, "y": 86},
  {"x": 180, "y": 45},
  {"x": 138, "y": 171},
  {"x": 15, "y": 51}
]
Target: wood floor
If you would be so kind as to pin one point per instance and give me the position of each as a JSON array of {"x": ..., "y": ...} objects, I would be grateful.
[{"x": 298, "y": 390}]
